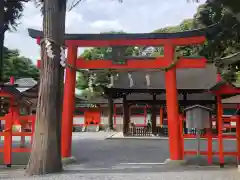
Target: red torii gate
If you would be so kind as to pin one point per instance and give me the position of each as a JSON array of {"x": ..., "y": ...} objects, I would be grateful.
[{"x": 168, "y": 40}]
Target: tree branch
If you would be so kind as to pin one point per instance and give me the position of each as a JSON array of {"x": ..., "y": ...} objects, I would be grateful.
[
  {"x": 18, "y": 0},
  {"x": 74, "y": 4}
]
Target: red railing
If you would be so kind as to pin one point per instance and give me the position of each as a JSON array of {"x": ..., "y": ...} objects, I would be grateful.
[
  {"x": 8, "y": 134},
  {"x": 209, "y": 137}
]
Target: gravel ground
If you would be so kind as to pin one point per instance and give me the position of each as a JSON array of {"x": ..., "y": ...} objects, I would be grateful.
[
  {"x": 171, "y": 174},
  {"x": 124, "y": 159}
]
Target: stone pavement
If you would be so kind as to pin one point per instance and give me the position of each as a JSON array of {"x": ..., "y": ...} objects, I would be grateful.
[
  {"x": 98, "y": 158},
  {"x": 158, "y": 173}
]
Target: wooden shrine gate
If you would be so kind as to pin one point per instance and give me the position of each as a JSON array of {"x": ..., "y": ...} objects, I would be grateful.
[{"x": 117, "y": 41}]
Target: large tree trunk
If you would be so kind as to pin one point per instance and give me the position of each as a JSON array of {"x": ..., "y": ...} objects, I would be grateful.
[
  {"x": 2, "y": 32},
  {"x": 46, "y": 149},
  {"x": 61, "y": 32}
]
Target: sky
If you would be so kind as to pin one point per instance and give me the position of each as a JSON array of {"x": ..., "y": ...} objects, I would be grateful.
[{"x": 95, "y": 16}]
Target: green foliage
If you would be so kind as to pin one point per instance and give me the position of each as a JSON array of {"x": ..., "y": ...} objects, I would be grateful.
[
  {"x": 224, "y": 42},
  {"x": 13, "y": 11},
  {"x": 233, "y": 5},
  {"x": 17, "y": 66},
  {"x": 185, "y": 25}
]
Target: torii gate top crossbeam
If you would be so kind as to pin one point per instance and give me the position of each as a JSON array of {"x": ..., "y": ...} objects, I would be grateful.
[
  {"x": 169, "y": 40},
  {"x": 197, "y": 36}
]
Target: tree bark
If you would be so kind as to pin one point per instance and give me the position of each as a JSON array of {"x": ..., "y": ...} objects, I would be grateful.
[
  {"x": 2, "y": 32},
  {"x": 61, "y": 32},
  {"x": 46, "y": 149}
]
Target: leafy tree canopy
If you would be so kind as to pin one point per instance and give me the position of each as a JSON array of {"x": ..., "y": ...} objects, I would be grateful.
[
  {"x": 18, "y": 66},
  {"x": 225, "y": 41},
  {"x": 12, "y": 12}
]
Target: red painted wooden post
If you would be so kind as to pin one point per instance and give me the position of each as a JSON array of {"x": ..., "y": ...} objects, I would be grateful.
[
  {"x": 220, "y": 128},
  {"x": 8, "y": 135},
  {"x": 181, "y": 120},
  {"x": 238, "y": 137},
  {"x": 172, "y": 107},
  {"x": 209, "y": 135},
  {"x": 8, "y": 131},
  {"x": 68, "y": 103}
]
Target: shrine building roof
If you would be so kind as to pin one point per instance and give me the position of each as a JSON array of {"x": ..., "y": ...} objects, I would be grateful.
[{"x": 187, "y": 79}]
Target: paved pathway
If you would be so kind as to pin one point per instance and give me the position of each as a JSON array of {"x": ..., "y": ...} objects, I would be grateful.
[
  {"x": 125, "y": 159},
  {"x": 131, "y": 174}
]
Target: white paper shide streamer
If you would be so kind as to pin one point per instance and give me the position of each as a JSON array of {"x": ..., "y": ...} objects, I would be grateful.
[
  {"x": 147, "y": 76},
  {"x": 116, "y": 77},
  {"x": 62, "y": 57},
  {"x": 48, "y": 47},
  {"x": 90, "y": 82},
  {"x": 38, "y": 3},
  {"x": 111, "y": 81},
  {"x": 130, "y": 80}
]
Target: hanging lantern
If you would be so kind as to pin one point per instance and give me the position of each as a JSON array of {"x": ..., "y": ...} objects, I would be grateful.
[{"x": 62, "y": 57}]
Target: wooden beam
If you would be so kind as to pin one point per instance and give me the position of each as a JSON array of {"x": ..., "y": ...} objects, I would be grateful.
[
  {"x": 159, "y": 62},
  {"x": 181, "y": 102},
  {"x": 156, "y": 91},
  {"x": 137, "y": 42}
]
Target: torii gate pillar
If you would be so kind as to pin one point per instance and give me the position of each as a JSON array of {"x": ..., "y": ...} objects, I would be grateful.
[
  {"x": 68, "y": 103},
  {"x": 175, "y": 142}
]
